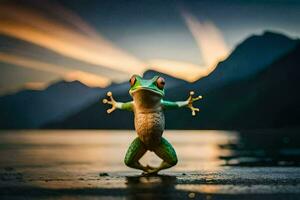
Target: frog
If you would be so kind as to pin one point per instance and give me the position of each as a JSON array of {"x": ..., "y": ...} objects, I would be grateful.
[{"x": 148, "y": 106}]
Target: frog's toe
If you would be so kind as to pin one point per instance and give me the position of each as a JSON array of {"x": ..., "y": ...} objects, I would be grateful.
[
  {"x": 148, "y": 167},
  {"x": 150, "y": 173}
]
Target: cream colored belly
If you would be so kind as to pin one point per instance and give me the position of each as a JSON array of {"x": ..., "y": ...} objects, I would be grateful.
[{"x": 150, "y": 127}]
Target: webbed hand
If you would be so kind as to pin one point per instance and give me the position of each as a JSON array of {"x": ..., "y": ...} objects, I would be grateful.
[
  {"x": 111, "y": 101},
  {"x": 190, "y": 100}
]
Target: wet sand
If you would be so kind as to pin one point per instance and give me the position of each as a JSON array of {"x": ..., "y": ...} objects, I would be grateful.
[{"x": 89, "y": 165}]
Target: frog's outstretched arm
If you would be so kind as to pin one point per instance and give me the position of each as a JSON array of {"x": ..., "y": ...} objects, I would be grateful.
[
  {"x": 120, "y": 105},
  {"x": 180, "y": 104}
]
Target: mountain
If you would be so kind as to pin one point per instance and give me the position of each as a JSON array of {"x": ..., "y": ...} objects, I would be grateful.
[
  {"x": 270, "y": 99},
  {"x": 267, "y": 100},
  {"x": 74, "y": 105},
  {"x": 249, "y": 57},
  {"x": 31, "y": 108},
  {"x": 232, "y": 93}
]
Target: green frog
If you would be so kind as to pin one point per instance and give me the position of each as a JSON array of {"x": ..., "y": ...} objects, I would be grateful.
[{"x": 149, "y": 121}]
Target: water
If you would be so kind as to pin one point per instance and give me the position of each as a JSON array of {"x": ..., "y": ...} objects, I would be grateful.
[{"x": 105, "y": 150}]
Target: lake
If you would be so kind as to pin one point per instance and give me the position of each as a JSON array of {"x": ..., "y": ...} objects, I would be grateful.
[{"x": 105, "y": 150}]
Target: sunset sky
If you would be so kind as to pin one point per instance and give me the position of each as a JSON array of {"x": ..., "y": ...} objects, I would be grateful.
[{"x": 99, "y": 42}]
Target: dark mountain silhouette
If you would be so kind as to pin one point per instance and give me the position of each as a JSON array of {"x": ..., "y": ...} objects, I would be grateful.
[
  {"x": 31, "y": 108},
  {"x": 245, "y": 82},
  {"x": 74, "y": 105},
  {"x": 268, "y": 99},
  {"x": 249, "y": 57}
]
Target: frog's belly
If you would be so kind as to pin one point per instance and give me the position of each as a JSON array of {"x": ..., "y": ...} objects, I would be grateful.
[{"x": 150, "y": 127}]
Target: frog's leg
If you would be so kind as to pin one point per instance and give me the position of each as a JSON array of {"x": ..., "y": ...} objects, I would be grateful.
[
  {"x": 167, "y": 153},
  {"x": 135, "y": 151}
]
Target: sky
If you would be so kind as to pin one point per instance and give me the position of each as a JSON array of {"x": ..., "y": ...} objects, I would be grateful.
[{"x": 100, "y": 42}]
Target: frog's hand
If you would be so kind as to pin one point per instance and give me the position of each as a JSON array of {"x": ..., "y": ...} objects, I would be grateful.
[
  {"x": 190, "y": 101},
  {"x": 120, "y": 105},
  {"x": 110, "y": 101}
]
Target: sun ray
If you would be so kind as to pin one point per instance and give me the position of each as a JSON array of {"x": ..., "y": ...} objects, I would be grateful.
[
  {"x": 209, "y": 39},
  {"x": 37, "y": 85},
  {"x": 79, "y": 41},
  {"x": 31, "y": 26},
  {"x": 183, "y": 70},
  {"x": 86, "y": 78}
]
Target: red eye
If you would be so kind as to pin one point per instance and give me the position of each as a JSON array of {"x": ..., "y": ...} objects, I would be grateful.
[
  {"x": 132, "y": 80},
  {"x": 160, "y": 82}
]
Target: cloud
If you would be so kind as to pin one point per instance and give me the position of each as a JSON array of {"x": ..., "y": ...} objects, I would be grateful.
[
  {"x": 36, "y": 85},
  {"x": 211, "y": 44},
  {"x": 86, "y": 78},
  {"x": 71, "y": 17},
  {"x": 184, "y": 70},
  {"x": 64, "y": 32},
  {"x": 209, "y": 40},
  {"x": 32, "y": 26}
]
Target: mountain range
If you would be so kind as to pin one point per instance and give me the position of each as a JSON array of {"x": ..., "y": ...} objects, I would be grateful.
[{"x": 255, "y": 87}]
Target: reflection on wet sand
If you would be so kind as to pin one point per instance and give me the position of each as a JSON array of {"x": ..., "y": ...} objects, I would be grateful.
[{"x": 151, "y": 187}]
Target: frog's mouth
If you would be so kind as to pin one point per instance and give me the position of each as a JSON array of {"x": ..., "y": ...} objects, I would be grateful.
[{"x": 146, "y": 89}]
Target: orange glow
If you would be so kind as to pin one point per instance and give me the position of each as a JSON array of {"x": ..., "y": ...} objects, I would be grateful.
[
  {"x": 36, "y": 85},
  {"x": 206, "y": 189},
  {"x": 209, "y": 39},
  {"x": 87, "y": 78},
  {"x": 30, "y": 26},
  {"x": 186, "y": 71},
  {"x": 32, "y": 64},
  {"x": 69, "y": 75}
]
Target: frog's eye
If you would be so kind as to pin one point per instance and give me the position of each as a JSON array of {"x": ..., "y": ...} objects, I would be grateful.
[
  {"x": 132, "y": 80},
  {"x": 160, "y": 82}
]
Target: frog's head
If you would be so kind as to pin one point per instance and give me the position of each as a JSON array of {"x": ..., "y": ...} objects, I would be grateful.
[{"x": 155, "y": 85}]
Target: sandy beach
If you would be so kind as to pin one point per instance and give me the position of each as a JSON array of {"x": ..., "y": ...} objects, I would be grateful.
[{"x": 89, "y": 165}]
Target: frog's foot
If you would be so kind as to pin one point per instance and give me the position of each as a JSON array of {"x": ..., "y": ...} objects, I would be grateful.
[
  {"x": 150, "y": 172},
  {"x": 110, "y": 101},
  {"x": 190, "y": 100},
  {"x": 148, "y": 167}
]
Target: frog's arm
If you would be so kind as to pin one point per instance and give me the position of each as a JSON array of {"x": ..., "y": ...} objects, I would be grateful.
[
  {"x": 181, "y": 104},
  {"x": 120, "y": 105}
]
